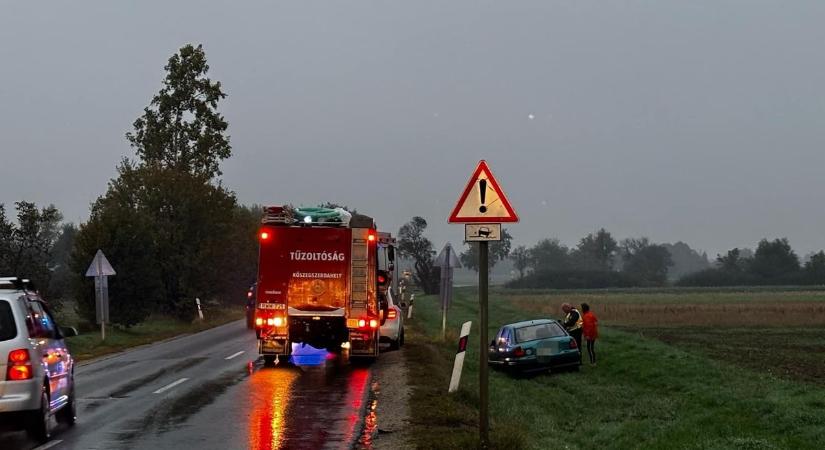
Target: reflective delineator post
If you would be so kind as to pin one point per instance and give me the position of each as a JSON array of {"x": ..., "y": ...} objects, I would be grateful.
[
  {"x": 458, "y": 364},
  {"x": 200, "y": 311}
]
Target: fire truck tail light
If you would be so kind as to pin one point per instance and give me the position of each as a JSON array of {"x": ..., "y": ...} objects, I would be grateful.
[
  {"x": 259, "y": 321},
  {"x": 373, "y": 323},
  {"x": 279, "y": 322},
  {"x": 19, "y": 365},
  {"x": 264, "y": 235},
  {"x": 362, "y": 323},
  {"x": 371, "y": 237}
]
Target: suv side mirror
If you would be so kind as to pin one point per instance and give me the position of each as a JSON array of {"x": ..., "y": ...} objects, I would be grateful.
[{"x": 68, "y": 331}]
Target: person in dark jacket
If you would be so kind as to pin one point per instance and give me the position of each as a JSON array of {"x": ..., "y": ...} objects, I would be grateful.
[{"x": 573, "y": 323}]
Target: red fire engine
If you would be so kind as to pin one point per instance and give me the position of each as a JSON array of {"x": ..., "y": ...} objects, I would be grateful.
[{"x": 322, "y": 281}]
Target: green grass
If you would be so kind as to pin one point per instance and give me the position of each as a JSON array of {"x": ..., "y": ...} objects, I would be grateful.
[
  {"x": 643, "y": 394},
  {"x": 88, "y": 344}
]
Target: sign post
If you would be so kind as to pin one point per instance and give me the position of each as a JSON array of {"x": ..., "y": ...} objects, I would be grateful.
[
  {"x": 100, "y": 269},
  {"x": 482, "y": 207}
]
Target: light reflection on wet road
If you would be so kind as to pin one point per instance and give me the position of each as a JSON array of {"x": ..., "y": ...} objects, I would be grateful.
[{"x": 224, "y": 404}]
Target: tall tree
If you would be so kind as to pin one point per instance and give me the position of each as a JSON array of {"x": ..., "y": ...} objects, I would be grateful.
[
  {"x": 521, "y": 259},
  {"x": 413, "y": 244},
  {"x": 647, "y": 262},
  {"x": 774, "y": 259},
  {"x": 596, "y": 250},
  {"x": 549, "y": 255},
  {"x": 815, "y": 268},
  {"x": 181, "y": 128},
  {"x": 26, "y": 247},
  {"x": 166, "y": 216},
  {"x": 498, "y": 251}
]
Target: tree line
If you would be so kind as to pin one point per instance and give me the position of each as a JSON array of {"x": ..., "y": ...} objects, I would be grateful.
[{"x": 167, "y": 224}]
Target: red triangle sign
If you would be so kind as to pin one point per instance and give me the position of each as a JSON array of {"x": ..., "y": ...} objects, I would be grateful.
[{"x": 483, "y": 200}]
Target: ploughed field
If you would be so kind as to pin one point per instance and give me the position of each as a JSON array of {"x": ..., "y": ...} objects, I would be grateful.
[
  {"x": 770, "y": 330},
  {"x": 678, "y": 368}
]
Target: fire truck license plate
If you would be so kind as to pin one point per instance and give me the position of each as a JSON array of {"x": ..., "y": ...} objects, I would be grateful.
[
  {"x": 271, "y": 305},
  {"x": 272, "y": 347}
]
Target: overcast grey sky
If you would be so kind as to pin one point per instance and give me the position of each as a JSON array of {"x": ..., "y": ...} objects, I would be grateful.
[{"x": 700, "y": 121}]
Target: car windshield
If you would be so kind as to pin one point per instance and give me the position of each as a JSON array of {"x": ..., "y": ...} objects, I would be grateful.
[
  {"x": 7, "y": 328},
  {"x": 540, "y": 331}
]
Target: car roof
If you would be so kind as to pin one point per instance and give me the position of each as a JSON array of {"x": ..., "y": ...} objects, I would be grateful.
[{"x": 527, "y": 323}]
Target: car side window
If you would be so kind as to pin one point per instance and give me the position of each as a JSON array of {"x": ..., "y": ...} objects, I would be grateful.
[{"x": 44, "y": 327}]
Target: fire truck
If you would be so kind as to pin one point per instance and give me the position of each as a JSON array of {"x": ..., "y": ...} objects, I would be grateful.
[{"x": 322, "y": 280}]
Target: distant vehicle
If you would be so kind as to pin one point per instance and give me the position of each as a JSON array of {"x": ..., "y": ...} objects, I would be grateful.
[
  {"x": 392, "y": 331},
  {"x": 36, "y": 367},
  {"x": 534, "y": 345},
  {"x": 250, "y": 307}
]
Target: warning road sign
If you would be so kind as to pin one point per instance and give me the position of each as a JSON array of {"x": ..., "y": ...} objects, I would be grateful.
[{"x": 483, "y": 201}]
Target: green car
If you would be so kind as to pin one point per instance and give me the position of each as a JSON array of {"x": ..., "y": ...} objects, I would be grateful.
[{"x": 534, "y": 345}]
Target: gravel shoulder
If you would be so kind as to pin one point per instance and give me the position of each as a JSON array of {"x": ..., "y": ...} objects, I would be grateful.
[{"x": 392, "y": 393}]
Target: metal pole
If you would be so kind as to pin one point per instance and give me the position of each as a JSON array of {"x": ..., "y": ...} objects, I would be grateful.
[{"x": 484, "y": 420}]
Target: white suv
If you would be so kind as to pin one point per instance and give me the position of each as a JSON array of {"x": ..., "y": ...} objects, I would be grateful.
[{"x": 36, "y": 368}]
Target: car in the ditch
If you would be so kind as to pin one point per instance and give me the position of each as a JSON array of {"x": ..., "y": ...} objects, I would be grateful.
[{"x": 534, "y": 345}]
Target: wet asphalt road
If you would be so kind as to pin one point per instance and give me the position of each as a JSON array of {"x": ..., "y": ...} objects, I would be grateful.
[{"x": 210, "y": 391}]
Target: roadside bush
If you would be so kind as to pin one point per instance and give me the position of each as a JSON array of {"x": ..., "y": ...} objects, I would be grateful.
[{"x": 575, "y": 279}]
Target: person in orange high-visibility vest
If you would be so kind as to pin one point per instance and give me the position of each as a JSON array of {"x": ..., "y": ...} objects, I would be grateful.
[{"x": 590, "y": 330}]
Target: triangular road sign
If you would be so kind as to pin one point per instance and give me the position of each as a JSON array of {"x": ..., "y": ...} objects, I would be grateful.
[
  {"x": 483, "y": 200},
  {"x": 100, "y": 266}
]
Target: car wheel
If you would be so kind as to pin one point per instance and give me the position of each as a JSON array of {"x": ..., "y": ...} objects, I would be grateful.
[
  {"x": 401, "y": 339},
  {"x": 38, "y": 424},
  {"x": 68, "y": 415},
  {"x": 395, "y": 345}
]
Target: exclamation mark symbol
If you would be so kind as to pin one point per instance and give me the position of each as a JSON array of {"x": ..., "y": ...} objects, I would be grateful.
[{"x": 482, "y": 190}]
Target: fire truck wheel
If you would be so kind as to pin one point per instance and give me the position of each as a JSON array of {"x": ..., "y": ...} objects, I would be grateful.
[{"x": 269, "y": 360}]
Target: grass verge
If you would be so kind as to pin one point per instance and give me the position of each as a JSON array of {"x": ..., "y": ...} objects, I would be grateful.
[
  {"x": 88, "y": 344},
  {"x": 643, "y": 394}
]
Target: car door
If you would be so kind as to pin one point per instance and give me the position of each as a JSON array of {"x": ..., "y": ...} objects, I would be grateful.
[{"x": 52, "y": 351}]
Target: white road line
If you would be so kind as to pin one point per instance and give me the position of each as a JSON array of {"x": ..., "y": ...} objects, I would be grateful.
[
  {"x": 49, "y": 444},
  {"x": 235, "y": 354},
  {"x": 170, "y": 386}
]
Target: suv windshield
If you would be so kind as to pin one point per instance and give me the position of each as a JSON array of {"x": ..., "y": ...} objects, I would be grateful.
[
  {"x": 540, "y": 331},
  {"x": 7, "y": 328}
]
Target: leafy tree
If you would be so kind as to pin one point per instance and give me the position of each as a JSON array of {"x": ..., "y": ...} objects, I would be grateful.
[
  {"x": 25, "y": 247},
  {"x": 521, "y": 259},
  {"x": 548, "y": 255},
  {"x": 774, "y": 259},
  {"x": 498, "y": 251},
  {"x": 166, "y": 221},
  {"x": 181, "y": 128},
  {"x": 413, "y": 244},
  {"x": 815, "y": 268},
  {"x": 647, "y": 262},
  {"x": 596, "y": 251},
  {"x": 60, "y": 283},
  {"x": 685, "y": 260},
  {"x": 732, "y": 261}
]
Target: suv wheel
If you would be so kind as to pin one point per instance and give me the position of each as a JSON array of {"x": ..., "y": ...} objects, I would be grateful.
[
  {"x": 68, "y": 415},
  {"x": 38, "y": 424}
]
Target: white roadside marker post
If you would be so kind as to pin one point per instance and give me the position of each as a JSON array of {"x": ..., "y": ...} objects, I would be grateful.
[
  {"x": 459, "y": 357},
  {"x": 410, "y": 307},
  {"x": 200, "y": 311}
]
